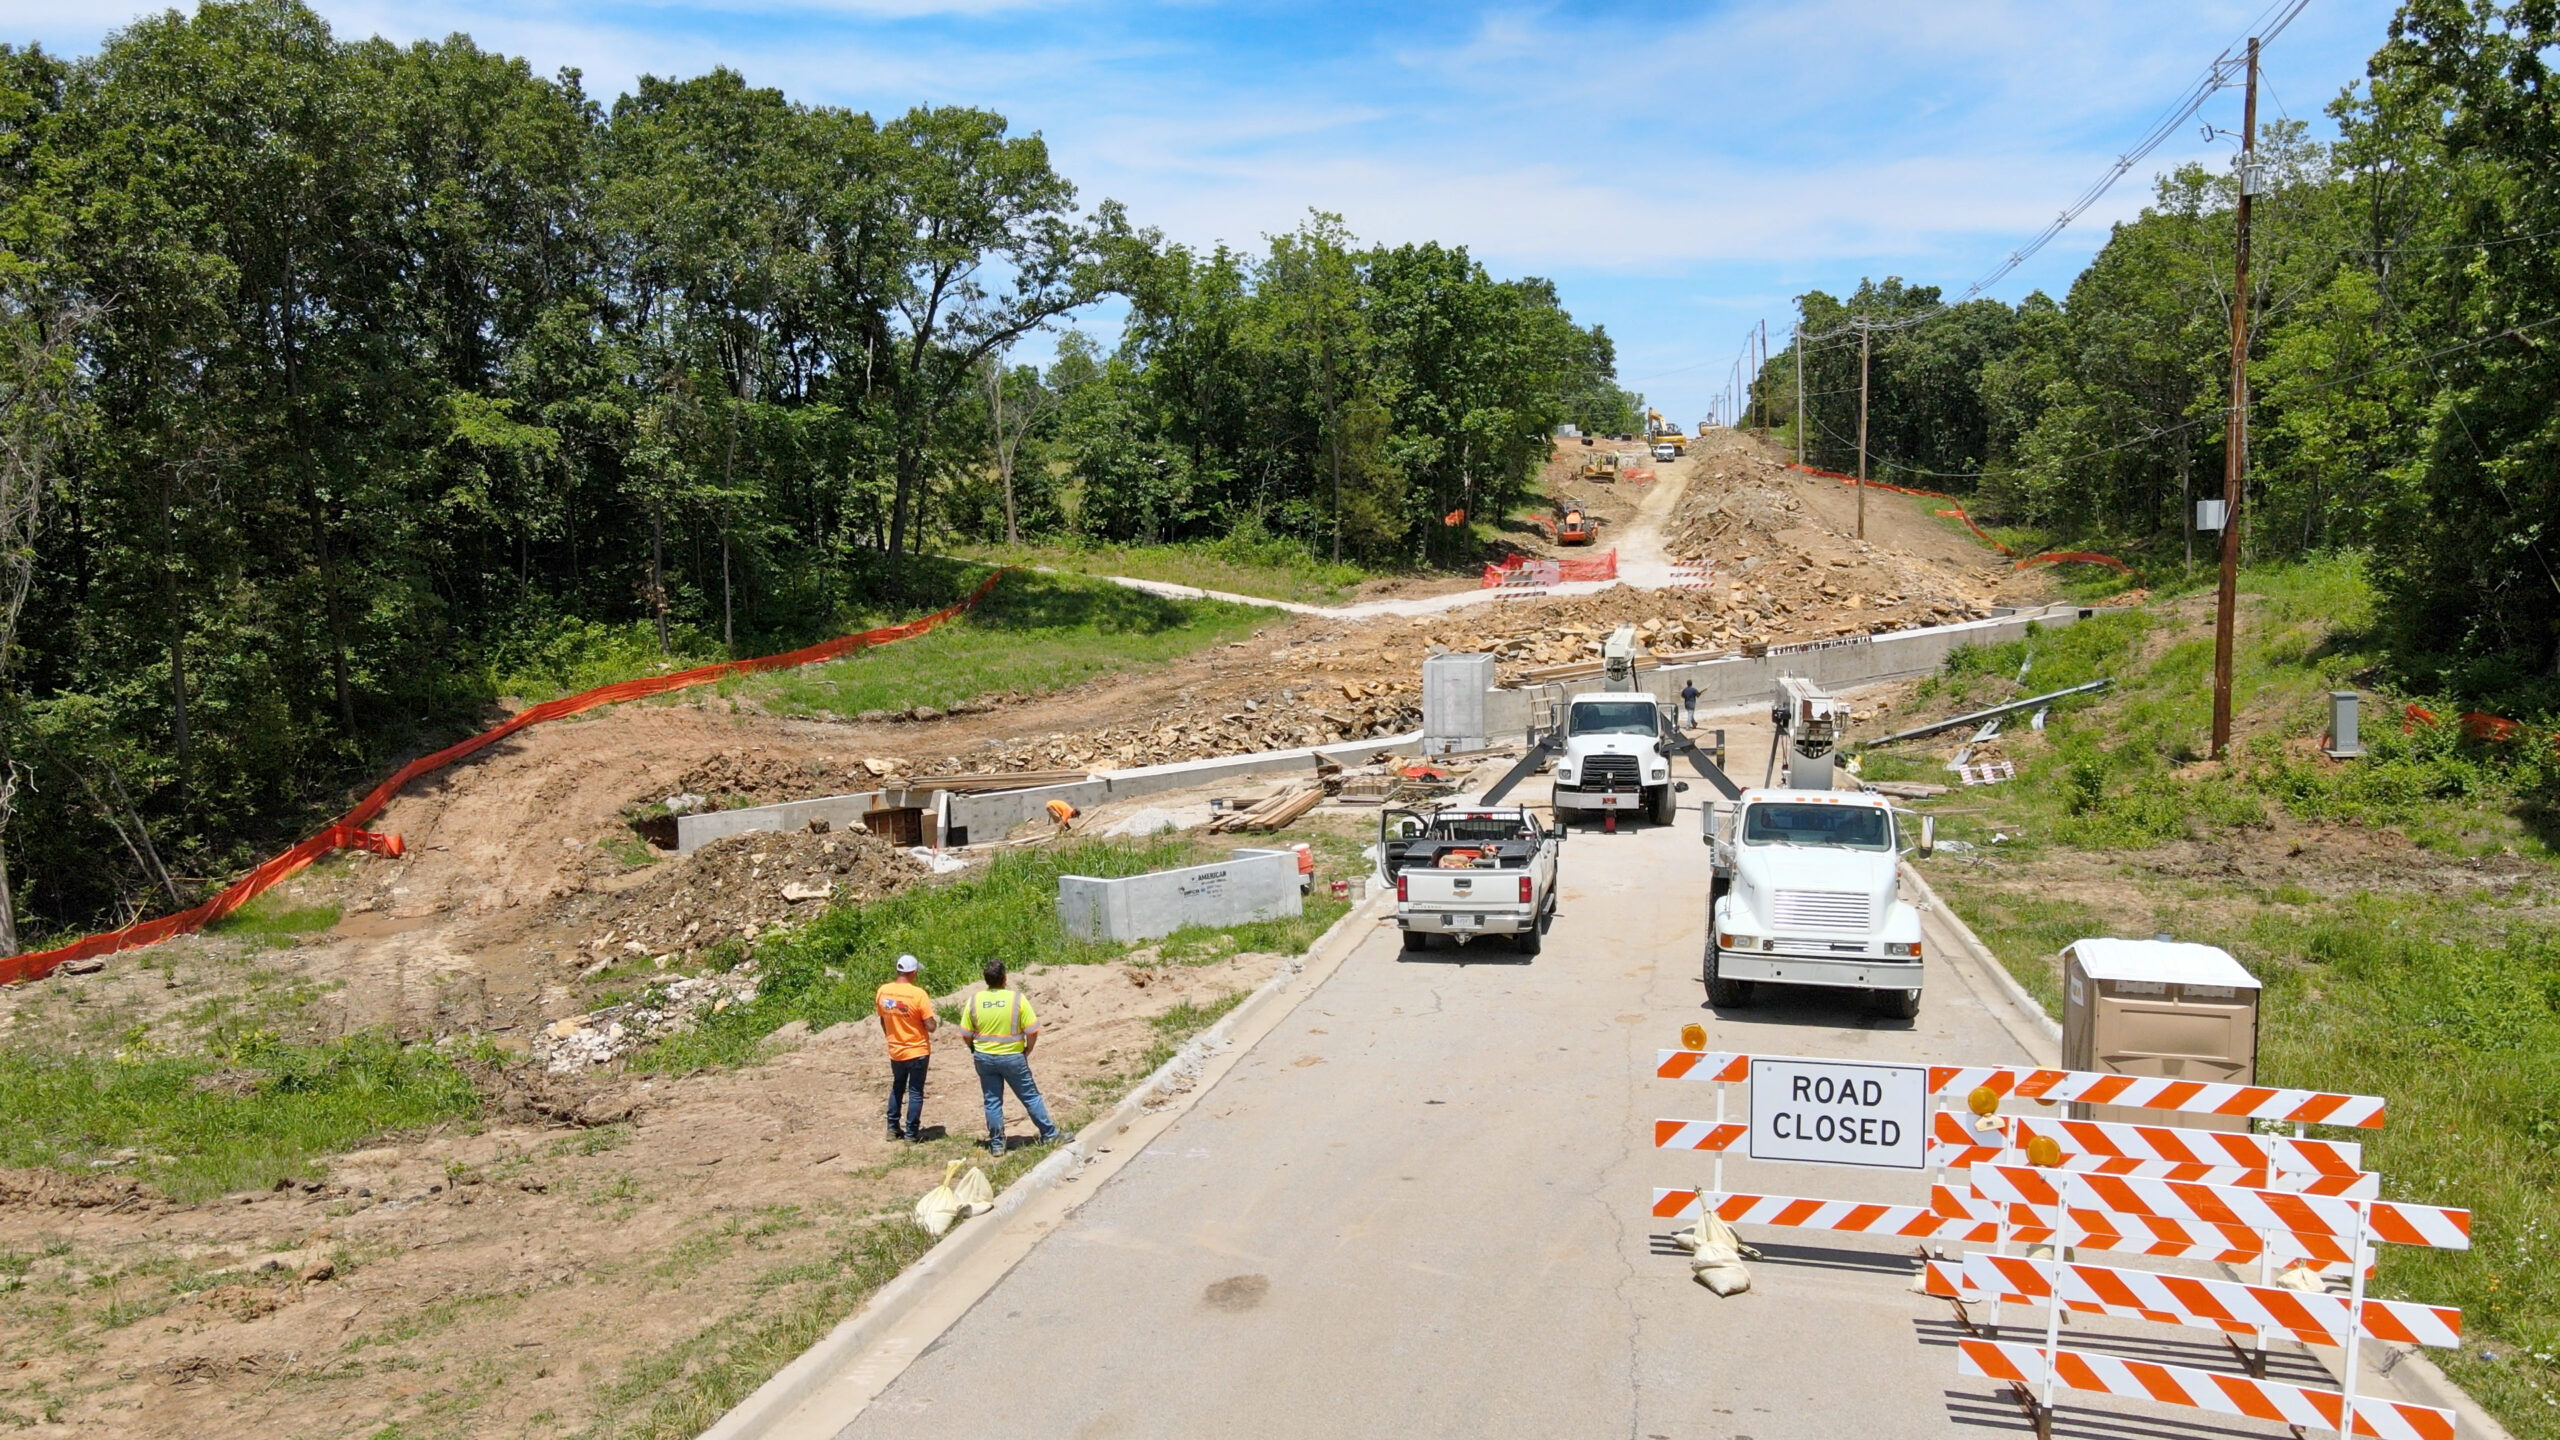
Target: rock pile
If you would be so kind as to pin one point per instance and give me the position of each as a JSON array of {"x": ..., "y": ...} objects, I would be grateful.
[
  {"x": 733, "y": 889},
  {"x": 1319, "y": 714},
  {"x": 669, "y": 1007}
]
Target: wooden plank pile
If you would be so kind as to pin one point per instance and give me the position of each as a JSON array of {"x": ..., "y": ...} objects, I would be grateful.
[{"x": 1271, "y": 814}]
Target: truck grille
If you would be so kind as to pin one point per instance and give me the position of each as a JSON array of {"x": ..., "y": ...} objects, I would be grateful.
[
  {"x": 1611, "y": 772},
  {"x": 1840, "y": 910}
]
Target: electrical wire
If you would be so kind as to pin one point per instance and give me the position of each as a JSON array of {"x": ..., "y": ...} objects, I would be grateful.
[{"x": 2216, "y": 77}]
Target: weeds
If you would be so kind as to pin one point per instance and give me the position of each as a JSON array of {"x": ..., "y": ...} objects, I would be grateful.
[
  {"x": 271, "y": 919},
  {"x": 200, "y": 1126}
]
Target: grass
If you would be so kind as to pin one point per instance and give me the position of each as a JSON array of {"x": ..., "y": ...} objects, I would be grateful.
[
  {"x": 1240, "y": 565},
  {"x": 2445, "y": 1001},
  {"x": 272, "y": 919},
  {"x": 828, "y": 970},
  {"x": 198, "y": 1126},
  {"x": 1033, "y": 633}
]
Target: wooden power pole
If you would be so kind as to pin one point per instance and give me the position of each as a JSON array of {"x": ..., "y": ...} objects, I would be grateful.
[
  {"x": 1799, "y": 349},
  {"x": 2235, "y": 443},
  {"x": 1862, "y": 432}
]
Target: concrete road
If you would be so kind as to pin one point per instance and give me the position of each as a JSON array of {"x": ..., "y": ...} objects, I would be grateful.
[{"x": 1420, "y": 1208}]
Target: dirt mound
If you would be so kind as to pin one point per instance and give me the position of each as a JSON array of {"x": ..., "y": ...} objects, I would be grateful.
[
  {"x": 54, "y": 1190},
  {"x": 736, "y": 888}
]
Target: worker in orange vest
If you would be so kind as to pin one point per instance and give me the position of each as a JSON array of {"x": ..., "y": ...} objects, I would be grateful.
[{"x": 907, "y": 1019}]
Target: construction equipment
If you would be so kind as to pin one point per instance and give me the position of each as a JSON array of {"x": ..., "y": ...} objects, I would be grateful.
[
  {"x": 1602, "y": 469},
  {"x": 1613, "y": 748},
  {"x": 1659, "y": 432},
  {"x": 1574, "y": 526}
]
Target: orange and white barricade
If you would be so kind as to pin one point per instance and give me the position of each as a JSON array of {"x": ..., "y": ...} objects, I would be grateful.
[
  {"x": 2025, "y": 1368},
  {"x": 1854, "y": 1217},
  {"x": 2150, "y": 1092},
  {"x": 2210, "y": 1157},
  {"x": 2314, "y": 1317}
]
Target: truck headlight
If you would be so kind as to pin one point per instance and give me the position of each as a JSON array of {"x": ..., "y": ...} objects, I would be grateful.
[
  {"x": 1659, "y": 773},
  {"x": 1903, "y": 947},
  {"x": 1564, "y": 774}
]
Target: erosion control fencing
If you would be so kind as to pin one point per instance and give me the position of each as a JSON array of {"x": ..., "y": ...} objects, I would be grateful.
[
  {"x": 1956, "y": 512},
  {"x": 2305, "y": 1211},
  {"x": 1535, "y": 571},
  {"x": 349, "y": 832}
]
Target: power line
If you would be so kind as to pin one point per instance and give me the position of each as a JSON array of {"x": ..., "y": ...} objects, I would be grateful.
[{"x": 2218, "y": 75}]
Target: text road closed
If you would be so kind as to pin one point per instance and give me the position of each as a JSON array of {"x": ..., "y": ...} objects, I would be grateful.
[{"x": 1826, "y": 1112}]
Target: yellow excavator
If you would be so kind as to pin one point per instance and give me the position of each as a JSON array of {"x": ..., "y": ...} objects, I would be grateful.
[{"x": 1658, "y": 431}]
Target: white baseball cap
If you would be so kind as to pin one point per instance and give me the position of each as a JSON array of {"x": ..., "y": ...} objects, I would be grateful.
[{"x": 908, "y": 965}]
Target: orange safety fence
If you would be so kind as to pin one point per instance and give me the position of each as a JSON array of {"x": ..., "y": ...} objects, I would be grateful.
[
  {"x": 1550, "y": 570},
  {"x": 2088, "y": 557},
  {"x": 349, "y": 832}
]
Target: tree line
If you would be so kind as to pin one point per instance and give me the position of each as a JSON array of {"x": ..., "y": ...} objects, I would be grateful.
[
  {"x": 2404, "y": 352},
  {"x": 340, "y": 376}
]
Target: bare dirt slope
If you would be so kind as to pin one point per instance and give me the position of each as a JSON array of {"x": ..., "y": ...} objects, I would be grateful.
[{"x": 601, "y": 1237}]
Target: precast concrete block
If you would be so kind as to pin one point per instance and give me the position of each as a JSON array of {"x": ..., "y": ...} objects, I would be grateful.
[
  {"x": 1454, "y": 688},
  {"x": 1253, "y": 885}
]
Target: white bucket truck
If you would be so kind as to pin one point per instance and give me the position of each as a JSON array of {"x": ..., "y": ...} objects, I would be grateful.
[{"x": 1806, "y": 883}]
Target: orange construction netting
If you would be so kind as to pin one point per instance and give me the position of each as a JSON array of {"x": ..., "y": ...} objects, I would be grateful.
[
  {"x": 349, "y": 832},
  {"x": 1550, "y": 570}
]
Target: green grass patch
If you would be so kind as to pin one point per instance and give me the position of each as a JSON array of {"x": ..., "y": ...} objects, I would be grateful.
[
  {"x": 2448, "y": 1005},
  {"x": 270, "y": 917},
  {"x": 1239, "y": 564},
  {"x": 828, "y": 971},
  {"x": 264, "y": 1109},
  {"x": 1033, "y": 633}
]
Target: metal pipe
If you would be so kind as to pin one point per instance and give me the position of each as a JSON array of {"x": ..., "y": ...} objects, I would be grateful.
[{"x": 1934, "y": 726}]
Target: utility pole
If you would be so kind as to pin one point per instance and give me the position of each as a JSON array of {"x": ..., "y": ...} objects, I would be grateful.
[
  {"x": 2235, "y": 442},
  {"x": 1798, "y": 346},
  {"x": 1862, "y": 432}
]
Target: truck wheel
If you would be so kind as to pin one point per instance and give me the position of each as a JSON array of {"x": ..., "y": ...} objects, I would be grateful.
[
  {"x": 1722, "y": 993},
  {"x": 1417, "y": 939},
  {"x": 1529, "y": 941},
  {"x": 1898, "y": 1004},
  {"x": 1665, "y": 805}
]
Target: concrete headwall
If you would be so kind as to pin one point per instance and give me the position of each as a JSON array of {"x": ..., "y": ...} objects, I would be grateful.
[
  {"x": 988, "y": 816},
  {"x": 1833, "y": 664},
  {"x": 1255, "y": 885}
]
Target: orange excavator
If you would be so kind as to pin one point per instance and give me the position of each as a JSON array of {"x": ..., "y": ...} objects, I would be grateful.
[{"x": 1573, "y": 527}]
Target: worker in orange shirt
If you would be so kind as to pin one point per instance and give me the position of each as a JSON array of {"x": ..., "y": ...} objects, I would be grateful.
[{"x": 906, "y": 1017}]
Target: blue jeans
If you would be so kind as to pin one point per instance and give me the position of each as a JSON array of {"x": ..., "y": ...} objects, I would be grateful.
[
  {"x": 906, "y": 1084},
  {"x": 996, "y": 1072}
]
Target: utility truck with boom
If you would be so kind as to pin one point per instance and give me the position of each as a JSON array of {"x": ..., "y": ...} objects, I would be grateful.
[
  {"x": 1805, "y": 882},
  {"x": 1612, "y": 748},
  {"x": 1465, "y": 871}
]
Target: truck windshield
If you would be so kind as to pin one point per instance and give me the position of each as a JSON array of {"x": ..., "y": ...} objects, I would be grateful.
[
  {"x": 1854, "y": 827},
  {"x": 1611, "y": 717}
]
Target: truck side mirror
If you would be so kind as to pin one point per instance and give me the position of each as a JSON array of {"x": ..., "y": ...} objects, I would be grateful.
[
  {"x": 1928, "y": 835},
  {"x": 1682, "y": 786}
]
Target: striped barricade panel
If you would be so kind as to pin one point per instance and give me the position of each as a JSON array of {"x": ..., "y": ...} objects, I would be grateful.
[
  {"x": 1855, "y": 1217},
  {"x": 2161, "y": 1239},
  {"x": 2310, "y": 1218},
  {"x": 2160, "y": 1152},
  {"x": 1698, "y": 1134},
  {"x": 2095, "y": 1374},
  {"x": 1721, "y": 1066},
  {"x": 2314, "y": 1318},
  {"x": 2150, "y": 1092}
]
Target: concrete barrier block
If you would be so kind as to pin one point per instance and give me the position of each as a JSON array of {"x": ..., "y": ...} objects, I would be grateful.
[{"x": 1254, "y": 885}]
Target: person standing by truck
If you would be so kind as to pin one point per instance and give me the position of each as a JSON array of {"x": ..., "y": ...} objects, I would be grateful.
[
  {"x": 1689, "y": 704},
  {"x": 1003, "y": 1030},
  {"x": 907, "y": 1019}
]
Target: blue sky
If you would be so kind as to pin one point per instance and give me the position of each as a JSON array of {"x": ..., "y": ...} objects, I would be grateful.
[{"x": 1680, "y": 170}]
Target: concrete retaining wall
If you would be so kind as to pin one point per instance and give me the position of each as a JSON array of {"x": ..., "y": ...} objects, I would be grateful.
[
  {"x": 1833, "y": 664},
  {"x": 988, "y": 816},
  {"x": 1255, "y": 885}
]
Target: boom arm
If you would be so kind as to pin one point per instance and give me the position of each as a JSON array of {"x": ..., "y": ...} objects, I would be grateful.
[
  {"x": 1547, "y": 745},
  {"x": 1708, "y": 769}
]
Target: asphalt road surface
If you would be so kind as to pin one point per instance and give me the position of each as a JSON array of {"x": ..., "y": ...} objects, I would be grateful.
[{"x": 1420, "y": 1207}]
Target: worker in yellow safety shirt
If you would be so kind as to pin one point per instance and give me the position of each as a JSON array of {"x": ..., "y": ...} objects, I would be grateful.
[{"x": 1003, "y": 1030}]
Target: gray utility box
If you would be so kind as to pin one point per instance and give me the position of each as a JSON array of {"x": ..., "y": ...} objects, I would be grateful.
[
  {"x": 1454, "y": 688},
  {"x": 1255, "y": 885},
  {"x": 2159, "y": 1008}
]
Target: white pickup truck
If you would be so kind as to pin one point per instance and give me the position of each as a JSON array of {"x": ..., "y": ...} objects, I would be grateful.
[
  {"x": 1465, "y": 871},
  {"x": 1805, "y": 890}
]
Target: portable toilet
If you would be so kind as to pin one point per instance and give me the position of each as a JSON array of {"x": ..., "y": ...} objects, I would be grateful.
[{"x": 2159, "y": 1008}]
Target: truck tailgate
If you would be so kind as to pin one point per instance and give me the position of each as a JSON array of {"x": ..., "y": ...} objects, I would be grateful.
[{"x": 1464, "y": 889}]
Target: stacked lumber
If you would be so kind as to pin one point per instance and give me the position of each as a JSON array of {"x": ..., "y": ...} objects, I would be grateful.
[{"x": 1272, "y": 814}]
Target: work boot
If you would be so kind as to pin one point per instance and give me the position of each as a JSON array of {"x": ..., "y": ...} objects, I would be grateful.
[
  {"x": 1057, "y": 1137},
  {"x": 894, "y": 1135},
  {"x": 995, "y": 1145}
]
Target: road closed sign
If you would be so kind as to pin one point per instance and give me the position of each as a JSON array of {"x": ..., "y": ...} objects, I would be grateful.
[{"x": 1829, "y": 1112}]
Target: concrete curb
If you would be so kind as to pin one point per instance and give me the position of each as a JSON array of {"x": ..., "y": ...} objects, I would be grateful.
[
  {"x": 778, "y": 1398},
  {"x": 2025, "y": 1004}
]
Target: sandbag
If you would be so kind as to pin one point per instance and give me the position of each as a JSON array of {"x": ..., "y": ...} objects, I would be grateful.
[
  {"x": 940, "y": 1206},
  {"x": 2302, "y": 1278},
  {"x": 1715, "y": 1254},
  {"x": 975, "y": 1195}
]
